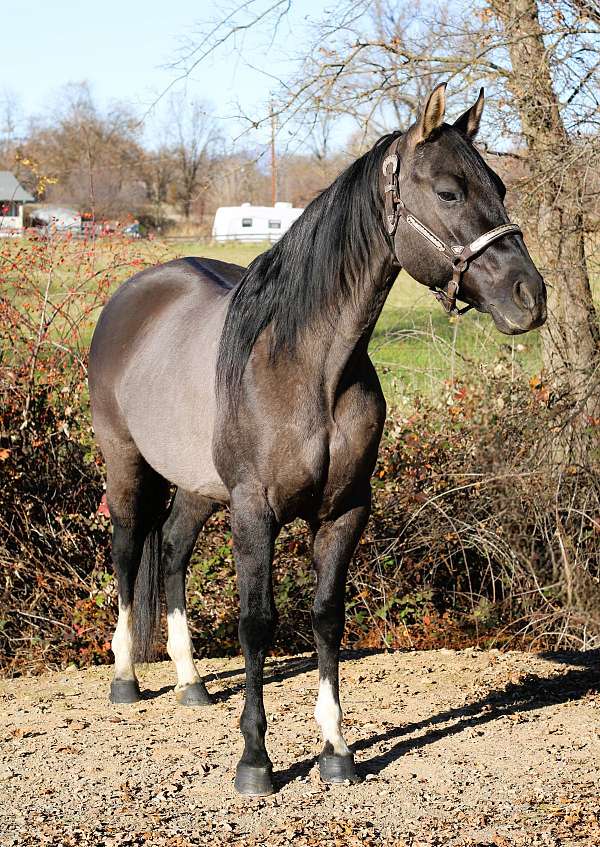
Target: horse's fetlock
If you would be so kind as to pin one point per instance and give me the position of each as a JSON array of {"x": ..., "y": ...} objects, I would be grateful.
[{"x": 253, "y": 724}]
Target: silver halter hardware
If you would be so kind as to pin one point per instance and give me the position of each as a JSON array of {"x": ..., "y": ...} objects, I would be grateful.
[{"x": 459, "y": 255}]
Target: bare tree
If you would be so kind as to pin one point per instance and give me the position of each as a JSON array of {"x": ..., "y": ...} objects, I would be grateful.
[
  {"x": 539, "y": 61},
  {"x": 10, "y": 119},
  {"x": 158, "y": 172},
  {"x": 93, "y": 155},
  {"x": 562, "y": 144},
  {"x": 195, "y": 136}
]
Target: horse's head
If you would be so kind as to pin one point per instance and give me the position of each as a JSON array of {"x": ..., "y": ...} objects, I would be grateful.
[{"x": 442, "y": 200}]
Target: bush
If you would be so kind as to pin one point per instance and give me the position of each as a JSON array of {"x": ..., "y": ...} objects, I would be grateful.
[
  {"x": 54, "y": 604},
  {"x": 474, "y": 538}
]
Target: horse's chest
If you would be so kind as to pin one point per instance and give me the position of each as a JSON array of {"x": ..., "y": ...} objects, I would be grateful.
[
  {"x": 316, "y": 473},
  {"x": 309, "y": 456},
  {"x": 353, "y": 452}
]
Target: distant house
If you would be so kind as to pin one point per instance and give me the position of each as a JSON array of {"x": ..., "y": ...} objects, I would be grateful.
[
  {"x": 12, "y": 197},
  {"x": 253, "y": 223}
]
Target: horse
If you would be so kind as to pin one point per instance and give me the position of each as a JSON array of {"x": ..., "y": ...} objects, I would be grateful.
[{"x": 253, "y": 388}]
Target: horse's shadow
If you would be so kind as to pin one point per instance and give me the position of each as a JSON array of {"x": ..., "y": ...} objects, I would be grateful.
[
  {"x": 534, "y": 691},
  {"x": 152, "y": 694},
  {"x": 276, "y": 671}
]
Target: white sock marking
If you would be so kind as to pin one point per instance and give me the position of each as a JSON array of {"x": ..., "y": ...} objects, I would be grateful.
[
  {"x": 328, "y": 715},
  {"x": 179, "y": 648},
  {"x": 122, "y": 645}
]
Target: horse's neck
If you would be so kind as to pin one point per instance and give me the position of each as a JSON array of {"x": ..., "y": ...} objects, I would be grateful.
[{"x": 332, "y": 347}]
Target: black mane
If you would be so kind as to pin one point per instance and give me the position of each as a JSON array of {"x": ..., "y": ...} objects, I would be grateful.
[{"x": 316, "y": 262}]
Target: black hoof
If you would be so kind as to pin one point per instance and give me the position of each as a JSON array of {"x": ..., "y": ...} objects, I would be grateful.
[
  {"x": 254, "y": 781},
  {"x": 193, "y": 695},
  {"x": 124, "y": 691},
  {"x": 337, "y": 768}
]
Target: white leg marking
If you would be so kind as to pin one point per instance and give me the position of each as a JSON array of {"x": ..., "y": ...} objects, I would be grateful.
[
  {"x": 179, "y": 648},
  {"x": 328, "y": 715},
  {"x": 122, "y": 645}
]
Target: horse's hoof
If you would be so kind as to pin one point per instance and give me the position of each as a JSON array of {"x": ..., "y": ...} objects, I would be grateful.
[
  {"x": 335, "y": 769},
  {"x": 193, "y": 695},
  {"x": 124, "y": 691},
  {"x": 254, "y": 781}
]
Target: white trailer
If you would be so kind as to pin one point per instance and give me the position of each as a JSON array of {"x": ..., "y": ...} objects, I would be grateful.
[{"x": 253, "y": 223}]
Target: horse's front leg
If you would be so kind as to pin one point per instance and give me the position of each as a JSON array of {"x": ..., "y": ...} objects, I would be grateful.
[
  {"x": 334, "y": 544},
  {"x": 254, "y": 531}
]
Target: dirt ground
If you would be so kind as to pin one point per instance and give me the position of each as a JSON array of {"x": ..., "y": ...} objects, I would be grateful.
[{"x": 456, "y": 748}]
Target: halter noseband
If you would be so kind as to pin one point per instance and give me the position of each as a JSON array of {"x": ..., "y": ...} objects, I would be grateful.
[{"x": 458, "y": 254}]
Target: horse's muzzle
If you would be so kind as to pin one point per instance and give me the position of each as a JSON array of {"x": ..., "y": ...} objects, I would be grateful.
[{"x": 524, "y": 310}]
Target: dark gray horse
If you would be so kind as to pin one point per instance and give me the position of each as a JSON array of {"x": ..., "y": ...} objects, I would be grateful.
[{"x": 254, "y": 388}]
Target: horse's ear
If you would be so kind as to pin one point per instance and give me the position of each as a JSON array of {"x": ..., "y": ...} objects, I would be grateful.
[
  {"x": 431, "y": 117},
  {"x": 469, "y": 121}
]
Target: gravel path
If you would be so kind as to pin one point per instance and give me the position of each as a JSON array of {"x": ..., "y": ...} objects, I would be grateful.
[{"x": 473, "y": 748}]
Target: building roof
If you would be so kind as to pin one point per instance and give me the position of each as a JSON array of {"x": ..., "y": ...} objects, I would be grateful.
[{"x": 11, "y": 189}]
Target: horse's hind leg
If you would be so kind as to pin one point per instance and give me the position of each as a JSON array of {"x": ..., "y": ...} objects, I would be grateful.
[
  {"x": 334, "y": 544},
  {"x": 188, "y": 515},
  {"x": 136, "y": 498}
]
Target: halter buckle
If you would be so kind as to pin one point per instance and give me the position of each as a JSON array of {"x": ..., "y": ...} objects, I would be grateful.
[
  {"x": 390, "y": 163},
  {"x": 460, "y": 265},
  {"x": 449, "y": 303}
]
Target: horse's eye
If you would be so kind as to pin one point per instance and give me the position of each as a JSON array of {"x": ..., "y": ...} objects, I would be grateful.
[{"x": 448, "y": 196}]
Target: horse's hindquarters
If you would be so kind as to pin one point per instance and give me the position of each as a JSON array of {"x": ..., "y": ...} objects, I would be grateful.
[{"x": 151, "y": 373}]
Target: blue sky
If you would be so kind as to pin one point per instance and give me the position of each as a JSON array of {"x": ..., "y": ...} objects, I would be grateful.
[{"x": 122, "y": 48}]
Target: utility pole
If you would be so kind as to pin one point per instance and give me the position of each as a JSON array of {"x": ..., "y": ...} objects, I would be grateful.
[{"x": 273, "y": 160}]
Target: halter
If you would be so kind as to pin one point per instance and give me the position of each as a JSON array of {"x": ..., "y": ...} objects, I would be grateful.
[{"x": 458, "y": 254}]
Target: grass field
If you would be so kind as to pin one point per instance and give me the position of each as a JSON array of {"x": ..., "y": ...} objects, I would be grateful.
[{"x": 415, "y": 346}]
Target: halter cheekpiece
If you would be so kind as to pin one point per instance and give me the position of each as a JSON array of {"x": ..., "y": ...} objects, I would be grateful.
[{"x": 459, "y": 255}]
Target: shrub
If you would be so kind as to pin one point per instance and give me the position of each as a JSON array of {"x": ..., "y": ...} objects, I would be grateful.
[{"x": 474, "y": 538}]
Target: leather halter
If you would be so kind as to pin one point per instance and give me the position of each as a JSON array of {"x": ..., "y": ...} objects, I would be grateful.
[{"x": 458, "y": 254}]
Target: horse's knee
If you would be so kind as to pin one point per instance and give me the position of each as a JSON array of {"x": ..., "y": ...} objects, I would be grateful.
[
  {"x": 328, "y": 621},
  {"x": 256, "y": 630}
]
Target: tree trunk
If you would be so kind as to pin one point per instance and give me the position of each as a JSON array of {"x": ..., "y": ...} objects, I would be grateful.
[{"x": 571, "y": 337}]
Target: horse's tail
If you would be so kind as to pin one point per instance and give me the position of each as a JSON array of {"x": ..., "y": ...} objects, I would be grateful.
[{"x": 147, "y": 597}]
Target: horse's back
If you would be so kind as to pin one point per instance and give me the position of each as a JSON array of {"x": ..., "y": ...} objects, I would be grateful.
[{"x": 152, "y": 368}]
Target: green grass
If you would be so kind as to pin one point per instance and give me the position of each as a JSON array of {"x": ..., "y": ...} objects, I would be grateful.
[
  {"x": 418, "y": 348},
  {"x": 415, "y": 346}
]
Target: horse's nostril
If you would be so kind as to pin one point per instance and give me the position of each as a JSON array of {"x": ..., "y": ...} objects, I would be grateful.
[{"x": 524, "y": 296}]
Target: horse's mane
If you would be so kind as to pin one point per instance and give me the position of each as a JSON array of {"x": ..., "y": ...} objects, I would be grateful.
[{"x": 308, "y": 272}]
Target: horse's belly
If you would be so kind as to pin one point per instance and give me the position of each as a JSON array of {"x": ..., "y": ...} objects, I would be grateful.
[{"x": 185, "y": 460}]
